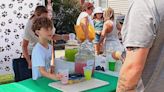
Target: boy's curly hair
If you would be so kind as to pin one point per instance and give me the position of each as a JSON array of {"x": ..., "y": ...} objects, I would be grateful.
[{"x": 41, "y": 22}]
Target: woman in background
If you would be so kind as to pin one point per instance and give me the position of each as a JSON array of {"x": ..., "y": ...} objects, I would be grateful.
[
  {"x": 109, "y": 34},
  {"x": 85, "y": 19}
]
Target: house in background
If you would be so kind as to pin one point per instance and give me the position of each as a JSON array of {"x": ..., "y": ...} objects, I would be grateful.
[{"x": 119, "y": 6}]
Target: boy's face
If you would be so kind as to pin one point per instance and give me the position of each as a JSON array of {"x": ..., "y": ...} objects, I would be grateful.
[{"x": 45, "y": 33}]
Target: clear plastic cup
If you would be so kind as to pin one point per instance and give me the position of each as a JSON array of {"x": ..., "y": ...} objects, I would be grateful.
[
  {"x": 65, "y": 74},
  {"x": 87, "y": 72}
]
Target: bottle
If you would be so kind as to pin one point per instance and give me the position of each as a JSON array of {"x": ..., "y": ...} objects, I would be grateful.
[{"x": 71, "y": 48}]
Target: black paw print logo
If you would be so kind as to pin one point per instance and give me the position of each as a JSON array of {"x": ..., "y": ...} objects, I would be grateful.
[
  {"x": 7, "y": 58},
  {"x": 18, "y": 51},
  {"x": 25, "y": 16},
  {"x": 14, "y": 12},
  {"x": 6, "y": 40},
  {"x": 1, "y": 49},
  {"x": 17, "y": 36},
  {"x": 7, "y": 31},
  {"x": 20, "y": 8},
  {"x": 1, "y": 61},
  {"x": 38, "y": 4},
  {"x": 15, "y": 30},
  {"x": 21, "y": 26},
  {"x": 8, "y": 47},
  {"x": 12, "y": 43},
  {"x": 30, "y": 5},
  {"x": 10, "y": 21},
  {"x": 19, "y": 15},
  {"x": 13, "y": 0},
  {"x": 3, "y": 23},
  {"x": 2, "y": 6},
  {"x": 7, "y": 68},
  {"x": 20, "y": 1},
  {"x": 10, "y": 5},
  {"x": 4, "y": 14}
]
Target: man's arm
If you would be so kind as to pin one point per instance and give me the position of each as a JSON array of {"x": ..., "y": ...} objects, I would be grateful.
[{"x": 132, "y": 69}]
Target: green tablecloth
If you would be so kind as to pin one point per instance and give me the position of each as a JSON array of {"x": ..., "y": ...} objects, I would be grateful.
[{"x": 41, "y": 85}]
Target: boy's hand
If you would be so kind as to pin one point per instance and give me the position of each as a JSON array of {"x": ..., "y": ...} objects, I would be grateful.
[{"x": 56, "y": 76}]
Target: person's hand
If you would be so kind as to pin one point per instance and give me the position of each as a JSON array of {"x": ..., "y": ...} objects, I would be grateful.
[
  {"x": 100, "y": 43},
  {"x": 65, "y": 37},
  {"x": 56, "y": 37},
  {"x": 56, "y": 76},
  {"x": 98, "y": 32},
  {"x": 116, "y": 55},
  {"x": 29, "y": 64}
]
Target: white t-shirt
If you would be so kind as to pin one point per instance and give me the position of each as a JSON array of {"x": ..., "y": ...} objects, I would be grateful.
[
  {"x": 41, "y": 56},
  {"x": 30, "y": 36},
  {"x": 83, "y": 15}
]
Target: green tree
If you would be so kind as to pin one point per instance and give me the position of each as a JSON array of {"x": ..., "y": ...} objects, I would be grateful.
[{"x": 65, "y": 15}]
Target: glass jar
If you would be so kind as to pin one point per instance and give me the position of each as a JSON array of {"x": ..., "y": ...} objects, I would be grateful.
[
  {"x": 71, "y": 48},
  {"x": 85, "y": 57}
]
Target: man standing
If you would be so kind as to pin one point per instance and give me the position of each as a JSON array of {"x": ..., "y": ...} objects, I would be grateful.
[{"x": 143, "y": 37}]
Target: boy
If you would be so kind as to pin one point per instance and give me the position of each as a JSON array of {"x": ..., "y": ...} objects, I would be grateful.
[{"x": 41, "y": 54}]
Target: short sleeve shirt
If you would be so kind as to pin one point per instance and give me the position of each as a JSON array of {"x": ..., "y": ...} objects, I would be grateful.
[
  {"x": 30, "y": 36},
  {"x": 41, "y": 56},
  {"x": 83, "y": 15},
  {"x": 144, "y": 27}
]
